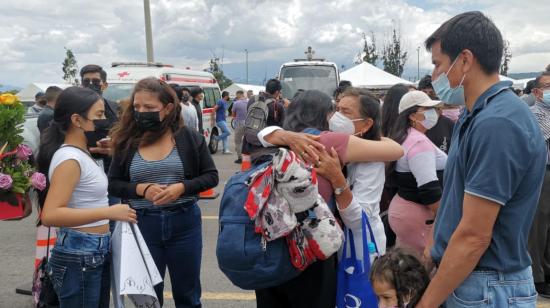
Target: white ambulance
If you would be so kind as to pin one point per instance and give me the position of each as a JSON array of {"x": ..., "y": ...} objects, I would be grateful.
[{"x": 122, "y": 76}]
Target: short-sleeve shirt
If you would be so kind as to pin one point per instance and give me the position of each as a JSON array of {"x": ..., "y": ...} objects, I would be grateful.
[
  {"x": 339, "y": 142},
  {"x": 240, "y": 109},
  {"x": 221, "y": 111},
  {"x": 498, "y": 154}
]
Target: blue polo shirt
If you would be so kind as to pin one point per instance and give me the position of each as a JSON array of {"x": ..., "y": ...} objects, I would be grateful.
[
  {"x": 221, "y": 111},
  {"x": 497, "y": 153}
]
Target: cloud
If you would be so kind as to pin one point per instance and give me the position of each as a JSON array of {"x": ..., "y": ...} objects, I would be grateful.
[{"x": 188, "y": 33}]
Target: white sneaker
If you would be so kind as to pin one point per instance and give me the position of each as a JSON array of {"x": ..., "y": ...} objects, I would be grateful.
[{"x": 227, "y": 152}]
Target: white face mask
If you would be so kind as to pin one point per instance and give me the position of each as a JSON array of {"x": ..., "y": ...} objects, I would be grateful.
[
  {"x": 339, "y": 123},
  {"x": 430, "y": 118}
]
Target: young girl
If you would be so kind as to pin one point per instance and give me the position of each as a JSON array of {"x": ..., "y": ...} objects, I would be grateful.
[
  {"x": 77, "y": 201},
  {"x": 398, "y": 279}
]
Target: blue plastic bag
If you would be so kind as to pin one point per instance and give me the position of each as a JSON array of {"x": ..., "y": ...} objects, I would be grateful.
[{"x": 354, "y": 289}]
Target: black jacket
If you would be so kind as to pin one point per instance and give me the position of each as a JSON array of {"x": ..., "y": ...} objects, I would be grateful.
[{"x": 199, "y": 168}]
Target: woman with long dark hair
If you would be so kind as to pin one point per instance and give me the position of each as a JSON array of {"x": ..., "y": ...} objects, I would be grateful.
[
  {"x": 76, "y": 201},
  {"x": 160, "y": 167},
  {"x": 417, "y": 174},
  {"x": 360, "y": 112},
  {"x": 316, "y": 286},
  {"x": 391, "y": 106}
]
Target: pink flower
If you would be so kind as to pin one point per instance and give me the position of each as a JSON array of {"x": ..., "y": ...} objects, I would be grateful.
[
  {"x": 23, "y": 152},
  {"x": 38, "y": 180},
  {"x": 5, "y": 181}
]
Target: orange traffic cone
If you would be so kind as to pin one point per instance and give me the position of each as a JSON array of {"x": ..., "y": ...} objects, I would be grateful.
[
  {"x": 209, "y": 194},
  {"x": 246, "y": 164}
]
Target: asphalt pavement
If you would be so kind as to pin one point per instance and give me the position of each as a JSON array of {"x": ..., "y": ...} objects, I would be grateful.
[{"x": 17, "y": 256}]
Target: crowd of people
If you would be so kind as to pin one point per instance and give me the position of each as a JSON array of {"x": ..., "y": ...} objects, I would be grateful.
[{"x": 447, "y": 174}]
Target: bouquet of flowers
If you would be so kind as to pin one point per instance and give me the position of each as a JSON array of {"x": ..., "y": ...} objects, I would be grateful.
[{"x": 17, "y": 174}]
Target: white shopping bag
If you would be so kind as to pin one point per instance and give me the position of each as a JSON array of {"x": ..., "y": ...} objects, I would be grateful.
[{"x": 134, "y": 272}]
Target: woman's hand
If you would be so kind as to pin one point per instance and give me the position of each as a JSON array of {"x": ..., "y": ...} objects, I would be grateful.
[
  {"x": 306, "y": 146},
  {"x": 122, "y": 212},
  {"x": 153, "y": 191},
  {"x": 330, "y": 168},
  {"x": 169, "y": 194}
]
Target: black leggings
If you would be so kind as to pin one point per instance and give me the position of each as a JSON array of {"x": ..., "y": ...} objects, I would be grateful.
[{"x": 314, "y": 288}]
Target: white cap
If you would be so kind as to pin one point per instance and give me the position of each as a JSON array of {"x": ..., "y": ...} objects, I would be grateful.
[{"x": 416, "y": 98}]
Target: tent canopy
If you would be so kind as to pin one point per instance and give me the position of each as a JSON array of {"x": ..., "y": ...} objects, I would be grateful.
[
  {"x": 366, "y": 75},
  {"x": 232, "y": 89},
  {"x": 27, "y": 93}
]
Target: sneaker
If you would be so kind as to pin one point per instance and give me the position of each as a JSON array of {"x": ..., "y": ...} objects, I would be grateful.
[
  {"x": 227, "y": 152},
  {"x": 543, "y": 289},
  {"x": 239, "y": 161}
]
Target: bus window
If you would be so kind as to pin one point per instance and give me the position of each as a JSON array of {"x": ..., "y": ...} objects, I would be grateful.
[{"x": 308, "y": 77}]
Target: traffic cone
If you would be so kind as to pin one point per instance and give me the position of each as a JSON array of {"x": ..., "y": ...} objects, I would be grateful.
[
  {"x": 209, "y": 194},
  {"x": 246, "y": 164}
]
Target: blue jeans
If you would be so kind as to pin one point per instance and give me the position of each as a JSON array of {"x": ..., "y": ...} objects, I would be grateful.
[
  {"x": 495, "y": 289},
  {"x": 76, "y": 268},
  {"x": 225, "y": 133},
  {"x": 174, "y": 238}
]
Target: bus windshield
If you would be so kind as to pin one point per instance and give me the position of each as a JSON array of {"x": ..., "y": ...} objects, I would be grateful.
[
  {"x": 118, "y": 91},
  {"x": 308, "y": 77}
]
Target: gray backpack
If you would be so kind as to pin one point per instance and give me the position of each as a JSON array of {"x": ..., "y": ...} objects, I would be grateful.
[{"x": 256, "y": 119}]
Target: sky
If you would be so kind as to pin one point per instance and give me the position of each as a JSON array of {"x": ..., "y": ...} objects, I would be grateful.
[{"x": 34, "y": 33}]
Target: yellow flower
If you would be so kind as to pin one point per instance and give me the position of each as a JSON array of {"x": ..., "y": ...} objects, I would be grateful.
[{"x": 8, "y": 99}]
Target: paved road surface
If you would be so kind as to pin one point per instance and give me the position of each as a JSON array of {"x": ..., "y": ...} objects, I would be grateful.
[{"x": 17, "y": 257}]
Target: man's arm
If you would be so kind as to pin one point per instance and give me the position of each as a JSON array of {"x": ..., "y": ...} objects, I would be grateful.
[{"x": 468, "y": 243}]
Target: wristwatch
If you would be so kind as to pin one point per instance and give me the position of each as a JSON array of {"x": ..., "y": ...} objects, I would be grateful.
[{"x": 338, "y": 191}]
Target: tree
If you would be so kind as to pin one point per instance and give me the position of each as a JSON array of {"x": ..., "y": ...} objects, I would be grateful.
[
  {"x": 370, "y": 52},
  {"x": 70, "y": 67},
  {"x": 223, "y": 81},
  {"x": 393, "y": 57},
  {"x": 506, "y": 59}
]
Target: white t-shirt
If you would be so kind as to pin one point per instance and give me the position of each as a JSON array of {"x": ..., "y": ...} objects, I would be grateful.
[{"x": 91, "y": 190}]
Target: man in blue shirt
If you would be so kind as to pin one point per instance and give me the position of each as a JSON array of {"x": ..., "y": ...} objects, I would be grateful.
[
  {"x": 221, "y": 111},
  {"x": 493, "y": 177}
]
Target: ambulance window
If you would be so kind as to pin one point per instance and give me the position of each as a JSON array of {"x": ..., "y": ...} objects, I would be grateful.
[{"x": 209, "y": 99}]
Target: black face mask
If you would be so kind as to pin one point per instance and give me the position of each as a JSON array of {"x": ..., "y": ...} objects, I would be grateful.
[
  {"x": 95, "y": 87},
  {"x": 185, "y": 98},
  {"x": 101, "y": 131},
  {"x": 148, "y": 121}
]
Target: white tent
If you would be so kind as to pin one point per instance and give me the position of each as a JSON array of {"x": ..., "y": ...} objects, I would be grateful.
[
  {"x": 232, "y": 89},
  {"x": 366, "y": 75},
  {"x": 27, "y": 93},
  {"x": 517, "y": 84}
]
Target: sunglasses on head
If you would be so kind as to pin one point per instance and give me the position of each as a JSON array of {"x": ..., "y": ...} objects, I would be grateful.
[{"x": 88, "y": 81}]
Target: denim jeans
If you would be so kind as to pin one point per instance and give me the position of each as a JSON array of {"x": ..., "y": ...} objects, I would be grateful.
[
  {"x": 225, "y": 134},
  {"x": 76, "y": 268},
  {"x": 495, "y": 289},
  {"x": 174, "y": 238}
]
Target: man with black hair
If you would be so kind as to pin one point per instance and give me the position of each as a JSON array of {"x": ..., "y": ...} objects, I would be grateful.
[
  {"x": 276, "y": 115},
  {"x": 220, "y": 114},
  {"x": 493, "y": 176},
  {"x": 539, "y": 238},
  {"x": 425, "y": 85},
  {"x": 197, "y": 94},
  {"x": 527, "y": 96},
  {"x": 39, "y": 103},
  {"x": 46, "y": 114}
]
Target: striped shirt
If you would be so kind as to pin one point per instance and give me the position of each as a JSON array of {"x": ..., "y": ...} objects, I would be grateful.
[
  {"x": 541, "y": 112},
  {"x": 166, "y": 171}
]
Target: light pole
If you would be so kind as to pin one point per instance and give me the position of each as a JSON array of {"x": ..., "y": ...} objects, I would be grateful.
[
  {"x": 246, "y": 53},
  {"x": 418, "y": 63},
  {"x": 148, "y": 31}
]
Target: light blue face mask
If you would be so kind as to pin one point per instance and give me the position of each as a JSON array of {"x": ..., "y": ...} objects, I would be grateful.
[
  {"x": 448, "y": 95},
  {"x": 546, "y": 97}
]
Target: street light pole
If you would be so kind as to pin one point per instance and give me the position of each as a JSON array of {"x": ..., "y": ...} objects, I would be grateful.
[
  {"x": 148, "y": 31},
  {"x": 246, "y": 52},
  {"x": 418, "y": 63}
]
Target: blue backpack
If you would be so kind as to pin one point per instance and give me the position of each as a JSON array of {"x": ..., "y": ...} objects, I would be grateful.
[{"x": 242, "y": 256}]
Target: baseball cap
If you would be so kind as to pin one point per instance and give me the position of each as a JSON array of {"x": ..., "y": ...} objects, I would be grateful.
[{"x": 416, "y": 98}]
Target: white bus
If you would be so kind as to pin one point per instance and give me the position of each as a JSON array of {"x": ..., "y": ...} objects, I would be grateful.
[
  {"x": 308, "y": 75},
  {"x": 122, "y": 77}
]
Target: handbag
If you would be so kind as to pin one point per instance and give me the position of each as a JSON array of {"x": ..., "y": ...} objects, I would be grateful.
[
  {"x": 42, "y": 286},
  {"x": 354, "y": 289}
]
